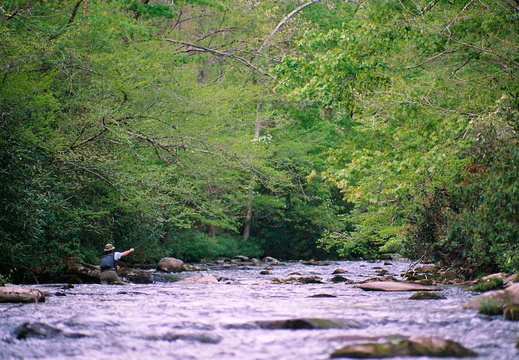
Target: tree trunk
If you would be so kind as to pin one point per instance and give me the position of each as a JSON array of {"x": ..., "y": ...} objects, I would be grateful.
[{"x": 248, "y": 211}]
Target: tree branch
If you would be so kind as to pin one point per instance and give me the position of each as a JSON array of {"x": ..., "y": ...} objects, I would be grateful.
[
  {"x": 76, "y": 145},
  {"x": 199, "y": 48},
  {"x": 284, "y": 21},
  {"x": 74, "y": 13},
  {"x": 426, "y": 61},
  {"x": 70, "y": 20}
]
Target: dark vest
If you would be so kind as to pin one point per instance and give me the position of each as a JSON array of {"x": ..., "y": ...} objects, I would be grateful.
[{"x": 108, "y": 262}]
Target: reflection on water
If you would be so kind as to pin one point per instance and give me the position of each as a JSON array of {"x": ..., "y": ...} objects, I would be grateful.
[{"x": 216, "y": 321}]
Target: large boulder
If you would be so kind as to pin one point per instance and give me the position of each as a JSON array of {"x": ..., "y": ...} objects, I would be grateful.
[
  {"x": 501, "y": 298},
  {"x": 170, "y": 264},
  {"x": 20, "y": 294},
  {"x": 394, "y": 286},
  {"x": 410, "y": 346}
]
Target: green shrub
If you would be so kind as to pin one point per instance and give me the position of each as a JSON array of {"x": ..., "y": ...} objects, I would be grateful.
[
  {"x": 196, "y": 246},
  {"x": 3, "y": 280}
]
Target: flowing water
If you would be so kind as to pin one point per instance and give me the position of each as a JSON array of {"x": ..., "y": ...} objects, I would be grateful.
[{"x": 176, "y": 320}]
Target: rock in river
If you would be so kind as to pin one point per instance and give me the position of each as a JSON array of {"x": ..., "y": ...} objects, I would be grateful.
[
  {"x": 20, "y": 294},
  {"x": 502, "y": 298},
  {"x": 308, "y": 323},
  {"x": 394, "y": 286},
  {"x": 170, "y": 264},
  {"x": 410, "y": 346}
]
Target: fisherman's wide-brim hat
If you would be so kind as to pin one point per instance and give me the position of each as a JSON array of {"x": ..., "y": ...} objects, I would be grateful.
[{"x": 109, "y": 247}]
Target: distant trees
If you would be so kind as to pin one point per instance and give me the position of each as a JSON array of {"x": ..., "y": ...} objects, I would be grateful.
[
  {"x": 205, "y": 128},
  {"x": 133, "y": 122}
]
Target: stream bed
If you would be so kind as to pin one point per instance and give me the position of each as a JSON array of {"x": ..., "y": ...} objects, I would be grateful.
[{"x": 184, "y": 321}]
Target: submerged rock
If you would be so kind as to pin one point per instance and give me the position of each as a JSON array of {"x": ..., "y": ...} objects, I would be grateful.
[
  {"x": 20, "y": 294},
  {"x": 315, "y": 262},
  {"x": 308, "y": 323},
  {"x": 340, "y": 278},
  {"x": 201, "y": 338},
  {"x": 140, "y": 277},
  {"x": 190, "y": 267},
  {"x": 322, "y": 296},
  {"x": 40, "y": 330},
  {"x": 36, "y": 330},
  {"x": 206, "y": 279},
  {"x": 411, "y": 346},
  {"x": 394, "y": 286}
]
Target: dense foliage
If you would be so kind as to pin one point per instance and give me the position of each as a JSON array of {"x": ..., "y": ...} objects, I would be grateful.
[
  {"x": 430, "y": 93},
  {"x": 203, "y": 128}
]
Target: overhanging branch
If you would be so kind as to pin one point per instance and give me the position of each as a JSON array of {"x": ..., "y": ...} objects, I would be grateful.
[
  {"x": 199, "y": 48},
  {"x": 284, "y": 21}
]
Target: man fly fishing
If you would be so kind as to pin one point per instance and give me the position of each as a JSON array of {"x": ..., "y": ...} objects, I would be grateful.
[{"x": 109, "y": 265}]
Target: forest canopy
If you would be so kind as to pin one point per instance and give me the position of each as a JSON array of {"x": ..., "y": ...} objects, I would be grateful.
[{"x": 294, "y": 129}]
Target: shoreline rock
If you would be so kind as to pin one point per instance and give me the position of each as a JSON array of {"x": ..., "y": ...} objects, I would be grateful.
[
  {"x": 502, "y": 298},
  {"x": 20, "y": 294}
]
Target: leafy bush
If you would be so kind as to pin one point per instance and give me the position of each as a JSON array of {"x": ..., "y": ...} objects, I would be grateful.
[
  {"x": 195, "y": 246},
  {"x": 472, "y": 222}
]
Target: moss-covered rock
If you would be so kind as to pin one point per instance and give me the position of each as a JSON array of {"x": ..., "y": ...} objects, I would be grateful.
[
  {"x": 426, "y": 295},
  {"x": 411, "y": 346},
  {"x": 502, "y": 298}
]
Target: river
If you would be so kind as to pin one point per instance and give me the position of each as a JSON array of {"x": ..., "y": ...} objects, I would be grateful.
[{"x": 188, "y": 321}]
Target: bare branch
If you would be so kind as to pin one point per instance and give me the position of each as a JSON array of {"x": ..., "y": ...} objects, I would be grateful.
[
  {"x": 96, "y": 174},
  {"x": 96, "y": 135},
  {"x": 428, "y": 7},
  {"x": 70, "y": 20},
  {"x": 457, "y": 16},
  {"x": 199, "y": 48},
  {"x": 284, "y": 21},
  {"x": 429, "y": 104},
  {"x": 74, "y": 12},
  {"x": 212, "y": 33},
  {"x": 427, "y": 61}
]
